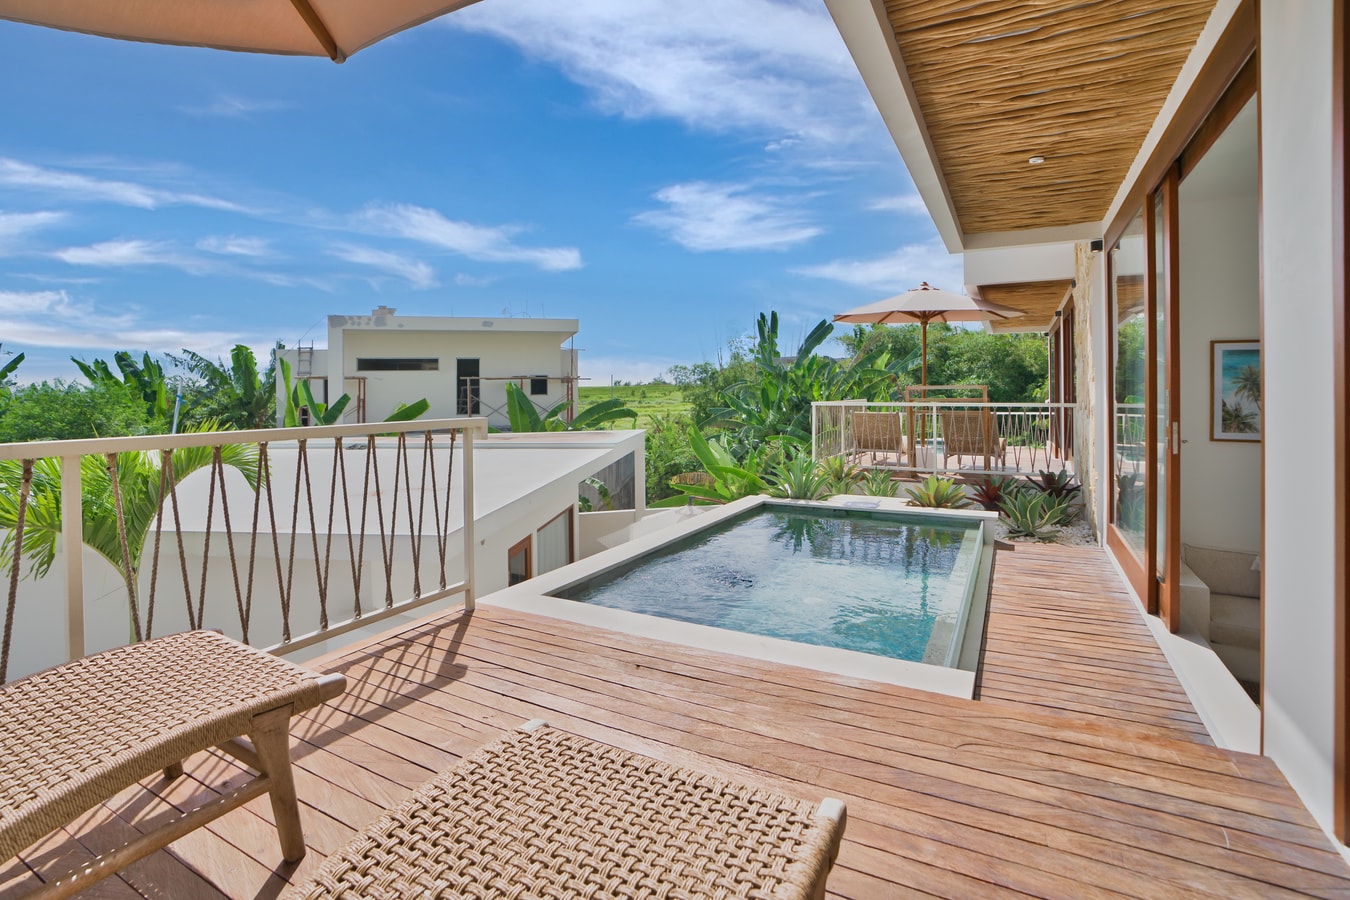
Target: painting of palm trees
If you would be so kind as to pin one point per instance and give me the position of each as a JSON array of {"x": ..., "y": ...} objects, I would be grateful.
[{"x": 1235, "y": 377}]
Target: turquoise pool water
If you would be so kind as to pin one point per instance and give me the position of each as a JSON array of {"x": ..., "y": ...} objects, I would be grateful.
[{"x": 890, "y": 584}]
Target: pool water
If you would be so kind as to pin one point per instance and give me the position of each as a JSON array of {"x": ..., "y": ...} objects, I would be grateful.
[{"x": 890, "y": 584}]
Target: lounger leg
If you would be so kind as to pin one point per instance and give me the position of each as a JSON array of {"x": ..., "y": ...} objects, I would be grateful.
[
  {"x": 271, "y": 738},
  {"x": 174, "y": 771}
]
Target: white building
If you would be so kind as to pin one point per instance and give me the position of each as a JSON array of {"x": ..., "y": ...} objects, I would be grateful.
[{"x": 460, "y": 365}]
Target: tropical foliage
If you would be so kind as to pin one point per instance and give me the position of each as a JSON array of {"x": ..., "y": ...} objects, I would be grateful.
[
  {"x": 59, "y": 410},
  {"x": 238, "y": 395},
  {"x": 797, "y": 477},
  {"x": 525, "y": 416},
  {"x": 1034, "y": 514},
  {"x": 144, "y": 379},
  {"x": 939, "y": 493}
]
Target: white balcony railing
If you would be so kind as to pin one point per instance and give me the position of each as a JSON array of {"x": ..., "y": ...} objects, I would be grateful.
[
  {"x": 951, "y": 437},
  {"x": 282, "y": 538}
]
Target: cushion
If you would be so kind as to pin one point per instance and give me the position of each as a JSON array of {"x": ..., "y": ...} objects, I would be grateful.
[{"x": 1224, "y": 571}]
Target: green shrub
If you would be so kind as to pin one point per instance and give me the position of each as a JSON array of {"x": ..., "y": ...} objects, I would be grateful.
[
  {"x": 879, "y": 483},
  {"x": 939, "y": 493},
  {"x": 841, "y": 476},
  {"x": 798, "y": 478}
]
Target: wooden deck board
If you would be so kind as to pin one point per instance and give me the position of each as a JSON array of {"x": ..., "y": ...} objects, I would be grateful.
[{"x": 1081, "y": 771}]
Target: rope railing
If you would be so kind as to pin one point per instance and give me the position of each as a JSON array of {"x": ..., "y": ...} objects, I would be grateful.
[
  {"x": 221, "y": 503},
  {"x": 946, "y": 437}
]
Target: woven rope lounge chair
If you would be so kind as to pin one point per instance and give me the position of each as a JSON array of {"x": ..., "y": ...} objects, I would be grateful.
[
  {"x": 974, "y": 433},
  {"x": 543, "y": 813},
  {"x": 878, "y": 432},
  {"x": 76, "y": 735}
]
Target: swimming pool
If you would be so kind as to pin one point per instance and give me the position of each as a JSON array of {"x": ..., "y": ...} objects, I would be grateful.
[
  {"x": 928, "y": 626},
  {"x": 890, "y": 584}
]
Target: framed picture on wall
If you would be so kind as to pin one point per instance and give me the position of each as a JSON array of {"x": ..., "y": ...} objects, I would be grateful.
[{"x": 1235, "y": 391}]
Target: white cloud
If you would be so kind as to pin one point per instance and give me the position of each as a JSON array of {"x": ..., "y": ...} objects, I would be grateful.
[
  {"x": 417, "y": 273},
  {"x": 908, "y": 204},
  {"x": 17, "y": 225},
  {"x": 119, "y": 253},
  {"x": 18, "y": 174},
  {"x": 231, "y": 107},
  {"x": 776, "y": 67},
  {"x": 600, "y": 369},
  {"x": 703, "y": 216},
  {"x": 232, "y": 245},
  {"x": 54, "y": 319},
  {"x": 895, "y": 272},
  {"x": 478, "y": 242}
]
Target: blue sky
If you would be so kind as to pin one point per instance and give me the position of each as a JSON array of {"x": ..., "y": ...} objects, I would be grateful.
[{"x": 662, "y": 172}]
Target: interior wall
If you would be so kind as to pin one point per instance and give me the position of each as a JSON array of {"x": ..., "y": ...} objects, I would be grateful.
[
  {"x": 1220, "y": 300},
  {"x": 1298, "y": 272}
]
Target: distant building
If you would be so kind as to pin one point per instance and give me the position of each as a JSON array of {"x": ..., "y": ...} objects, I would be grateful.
[{"x": 460, "y": 365}]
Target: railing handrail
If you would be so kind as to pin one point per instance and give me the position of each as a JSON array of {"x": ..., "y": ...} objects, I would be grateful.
[
  {"x": 90, "y": 446},
  {"x": 928, "y": 404}
]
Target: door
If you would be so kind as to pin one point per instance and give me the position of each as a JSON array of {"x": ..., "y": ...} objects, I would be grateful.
[
  {"x": 1165, "y": 393},
  {"x": 467, "y": 392}
]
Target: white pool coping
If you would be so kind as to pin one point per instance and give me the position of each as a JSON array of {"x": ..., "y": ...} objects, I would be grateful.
[{"x": 533, "y": 597}]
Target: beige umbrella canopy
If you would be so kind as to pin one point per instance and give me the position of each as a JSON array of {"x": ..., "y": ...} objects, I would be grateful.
[
  {"x": 926, "y": 304},
  {"x": 332, "y": 28}
]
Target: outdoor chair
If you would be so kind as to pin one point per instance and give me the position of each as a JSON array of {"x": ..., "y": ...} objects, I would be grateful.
[
  {"x": 878, "y": 432},
  {"x": 76, "y": 735},
  {"x": 543, "y": 813},
  {"x": 972, "y": 432}
]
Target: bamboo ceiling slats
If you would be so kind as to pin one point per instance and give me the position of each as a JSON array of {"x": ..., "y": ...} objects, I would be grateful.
[
  {"x": 1038, "y": 299},
  {"x": 1078, "y": 82}
]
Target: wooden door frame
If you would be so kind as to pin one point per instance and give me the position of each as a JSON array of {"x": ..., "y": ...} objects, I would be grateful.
[
  {"x": 1340, "y": 198},
  {"x": 1169, "y": 593}
]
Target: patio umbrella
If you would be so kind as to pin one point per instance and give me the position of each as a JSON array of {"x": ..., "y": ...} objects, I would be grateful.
[
  {"x": 333, "y": 28},
  {"x": 927, "y": 304}
]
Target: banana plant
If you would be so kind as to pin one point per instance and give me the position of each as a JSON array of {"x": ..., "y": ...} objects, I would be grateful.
[
  {"x": 729, "y": 480},
  {"x": 525, "y": 417},
  {"x": 146, "y": 379}
]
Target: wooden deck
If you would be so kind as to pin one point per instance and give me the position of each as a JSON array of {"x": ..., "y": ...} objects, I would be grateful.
[{"x": 1045, "y": 787}]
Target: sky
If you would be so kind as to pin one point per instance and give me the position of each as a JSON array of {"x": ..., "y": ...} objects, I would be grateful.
[{"x": 661, "y": 172}]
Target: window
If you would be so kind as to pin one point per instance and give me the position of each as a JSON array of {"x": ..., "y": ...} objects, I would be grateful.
[
  {"x": 397, "y": 364},
  {"x": 555, "y": 542},
  {"x": 1129, "y": 265},
  {"x": 539, "y": 385},
  {"x": 518, "y": 566}
]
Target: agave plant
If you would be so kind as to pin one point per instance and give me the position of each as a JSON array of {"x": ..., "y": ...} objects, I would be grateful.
[
  {"x": 841, "y": 476},
  {"x": 1034, "y": 515},
  {"x": 939, "y": 493},
  {"x": 879, "y": 483},
  {"x": 991, "y": 490},
  {"x": 797, "y": 477}
]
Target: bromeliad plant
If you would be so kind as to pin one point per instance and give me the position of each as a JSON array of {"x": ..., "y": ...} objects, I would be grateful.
[
  {"x": 991, "y": 490},
  {"x": 939, "y": 493},
  {"x": 1056, "y": 484},
  {"x": 879, "y": 483}
]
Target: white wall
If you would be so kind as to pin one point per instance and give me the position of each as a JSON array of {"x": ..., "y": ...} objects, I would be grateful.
[
  {"x": 1297, "y": 276},
  {"x": 1220, "y": 300}
]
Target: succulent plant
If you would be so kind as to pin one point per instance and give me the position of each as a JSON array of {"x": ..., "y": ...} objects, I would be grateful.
[{"x": 939, "y": 493}]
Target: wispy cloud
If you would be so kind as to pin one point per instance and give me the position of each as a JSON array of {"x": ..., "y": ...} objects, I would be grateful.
[
  {"x": 895, "y": 272},
  {"x": 14, "y": 225},
  {"x": 485, "y": 243},
  {"x": 772, "y": 67},
  {"x": 233, "y": 245},
  {"x": 703, "y": 216},
  {"x": 415, "y": 272},
  {"x": 55, "y": 319},
  {"x": 908, "y": 204},
  {"x": 232, "y": 107},
  {"x": 78, "y": 186},
  {"x": 110, "y": 254}
]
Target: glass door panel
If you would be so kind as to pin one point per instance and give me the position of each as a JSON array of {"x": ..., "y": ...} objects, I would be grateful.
[{"x": 1129, "y": 302}]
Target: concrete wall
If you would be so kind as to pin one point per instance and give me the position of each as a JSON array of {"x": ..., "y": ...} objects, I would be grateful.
[
  {"x": 1297, "y": 279},
  {"x": 1090, "y": 365},
  {"x": 1220, "y": 300}
]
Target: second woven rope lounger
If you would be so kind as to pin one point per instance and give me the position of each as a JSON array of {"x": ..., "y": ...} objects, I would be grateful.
[{"x": 543, "y": 813}]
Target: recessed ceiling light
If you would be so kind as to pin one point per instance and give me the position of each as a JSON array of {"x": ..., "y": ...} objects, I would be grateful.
[{"x": 1036, "y": 160}]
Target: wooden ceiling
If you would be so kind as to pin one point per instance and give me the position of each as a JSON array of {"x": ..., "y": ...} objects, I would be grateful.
[
  {"x": 1078, "y": 82},
  {"x": 1038, "y": 299}
]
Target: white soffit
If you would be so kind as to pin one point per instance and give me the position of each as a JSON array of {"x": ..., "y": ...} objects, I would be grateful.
[
  {"x": 1017, "y": 265},
  {"x": 866, "y": 31}
]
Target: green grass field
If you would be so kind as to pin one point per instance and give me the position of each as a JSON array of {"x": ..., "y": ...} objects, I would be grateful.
[{"x": 646, "y": 400}]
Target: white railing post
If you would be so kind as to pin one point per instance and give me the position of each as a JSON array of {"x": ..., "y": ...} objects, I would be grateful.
[
  {"x": 72, "y": 542},
  {"x": 470, "y": 543}
]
